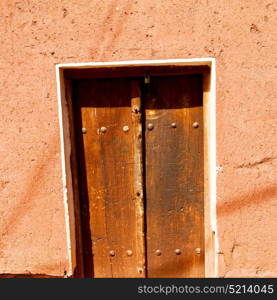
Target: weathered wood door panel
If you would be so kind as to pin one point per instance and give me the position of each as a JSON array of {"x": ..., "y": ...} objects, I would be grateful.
[
  {"x": 141, "y": 138},
  {"x": 109, "y": 169},
  {"x": 174, "y": 177}
]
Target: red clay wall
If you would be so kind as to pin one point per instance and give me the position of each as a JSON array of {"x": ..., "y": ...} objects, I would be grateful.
[{"x": 36, "y": 35}]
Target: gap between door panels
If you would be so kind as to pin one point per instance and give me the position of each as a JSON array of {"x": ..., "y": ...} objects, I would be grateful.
[{"x": 143, "y": 125}]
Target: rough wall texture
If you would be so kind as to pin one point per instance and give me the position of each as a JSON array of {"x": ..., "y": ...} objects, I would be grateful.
[{"x": 36, "y": 35}]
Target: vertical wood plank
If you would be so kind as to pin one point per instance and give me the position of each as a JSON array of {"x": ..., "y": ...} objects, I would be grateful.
[
  {"x": 174, "y": 177},
  {"x": 111, "y": 173},
  {"x": 138, "y": 170}
]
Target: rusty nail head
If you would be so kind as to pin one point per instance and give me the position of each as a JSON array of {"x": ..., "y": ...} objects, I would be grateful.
[
  {"x": 195, "y": 124},
  {"x": 178, "y": 251},
  {"x": 147, "y": 78},
  {"x": 150, "y": 126},
  {"x": 197, "y": 250},
  {"x": 129, "y": 252},
  {"x": 158, "y": 252},
  {"x": 125, "y": 128},
  {"x": 112, "y": 253},
  {"x": 103, "y": 129},
  {"x": 173, "y": 125},
  {"x": 84, "y": 130}
]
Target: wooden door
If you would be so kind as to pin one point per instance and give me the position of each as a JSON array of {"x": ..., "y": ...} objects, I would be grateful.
[
  {"x": 140, "y": 156},
  {"x": 109, "y": 128},
  {"x": 174, "y": 176}
]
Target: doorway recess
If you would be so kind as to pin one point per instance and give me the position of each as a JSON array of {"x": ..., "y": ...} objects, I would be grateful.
[{"x": 163, "y": 72}]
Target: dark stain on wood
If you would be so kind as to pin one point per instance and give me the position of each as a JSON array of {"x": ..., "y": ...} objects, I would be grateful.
[{"x": 174, "y": 176}]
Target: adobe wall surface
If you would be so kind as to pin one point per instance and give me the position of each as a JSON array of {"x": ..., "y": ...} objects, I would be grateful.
[{"x": 36, "y": 35}]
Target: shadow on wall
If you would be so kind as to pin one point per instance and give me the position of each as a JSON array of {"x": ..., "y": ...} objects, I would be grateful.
[
  {"x": 236, "y": 203},
  {"x": 118, "y": 22},
  {"x": 27, "y": 201}
]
